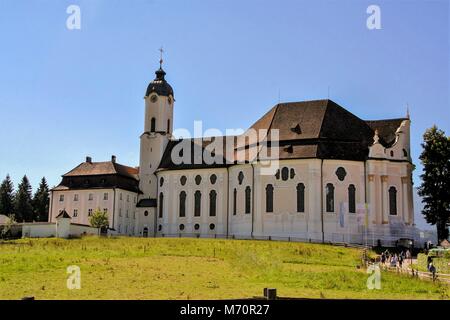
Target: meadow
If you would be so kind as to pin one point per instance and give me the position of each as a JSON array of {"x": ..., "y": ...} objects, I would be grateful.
[{"x": 188, "y": 268}]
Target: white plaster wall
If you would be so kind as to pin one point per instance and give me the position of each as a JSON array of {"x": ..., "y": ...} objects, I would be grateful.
[
  {"x": 171, "y": 188},
  {"x": 113, "y": 206}
]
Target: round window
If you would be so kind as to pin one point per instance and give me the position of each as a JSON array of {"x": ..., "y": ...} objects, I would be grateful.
[
  {"x": 213, "y": 179},
  {"x": 181, "y": 226},
  {"x": 183, "y": 180},
  {"x": 198, "y": 179},
  {"x": 196, "y": 226},
  {"x": 212, "y": 226},
  {"x": 159, "y": 227},
  {"x": 161, "y": 182},
  {"x": 145, "y": 213},
  {"x": 154, "y": 98}
]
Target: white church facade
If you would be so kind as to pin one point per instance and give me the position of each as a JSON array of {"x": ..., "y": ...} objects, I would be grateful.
[{"x": 312, "y": 172}]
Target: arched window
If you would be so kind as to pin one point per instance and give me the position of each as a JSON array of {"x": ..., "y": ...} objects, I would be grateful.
[
  {"x": 197, "y": 203},
  {"x": 392, "y": 201},
  {"x": 161, "y": 203},
  {"x": 182, "y": 204},
  {"x": 248, "y": 194},
  {"x": 351, "y": 198},
  {"x": 269, "y": 198},
  {"x": 212, "y": 203},
  {"x": 330, "y": 197},
  {"x": 153, "y": 125},
  {"x": 284, "y": 173},
  {"x": 234, "y": 201},
  {"x": 168, "y": 125},
  {"x": 300, "y": 197}
]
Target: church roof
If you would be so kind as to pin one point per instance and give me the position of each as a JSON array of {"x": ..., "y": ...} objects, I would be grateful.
[
  {"x": 159, "y": 85},
  {"x": 308, "y": 129},
  {"x": 90, "y": 168}
]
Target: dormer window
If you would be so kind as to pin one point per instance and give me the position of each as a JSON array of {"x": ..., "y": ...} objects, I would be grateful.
[
  {"x": 289, "y": 149},
  {"x": 297, "y": 129}
]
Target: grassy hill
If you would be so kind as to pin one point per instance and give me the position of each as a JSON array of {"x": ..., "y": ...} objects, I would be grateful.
[{"x": 163, "y": 268}]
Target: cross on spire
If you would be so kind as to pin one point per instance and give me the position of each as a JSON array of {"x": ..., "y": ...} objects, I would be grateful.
[{"x": 161, "y": 51}]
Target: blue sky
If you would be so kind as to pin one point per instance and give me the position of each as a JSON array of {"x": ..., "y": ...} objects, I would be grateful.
[{"x": 65, "y": 94}]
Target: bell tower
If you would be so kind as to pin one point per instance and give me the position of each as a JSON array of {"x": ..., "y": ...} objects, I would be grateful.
[{"x": 159, "y": 101}]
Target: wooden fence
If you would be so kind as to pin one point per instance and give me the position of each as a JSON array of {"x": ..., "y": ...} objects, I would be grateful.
[{"x": 443, "y": 277}]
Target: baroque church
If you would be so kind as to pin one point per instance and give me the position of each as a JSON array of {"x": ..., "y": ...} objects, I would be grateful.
[{"x": 305, "y": 171}]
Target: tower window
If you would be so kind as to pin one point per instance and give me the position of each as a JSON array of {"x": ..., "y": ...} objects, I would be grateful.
[{"x": 153, "y": 125}]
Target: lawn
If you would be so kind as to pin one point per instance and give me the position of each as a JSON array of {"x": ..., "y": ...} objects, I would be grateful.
[{"x": 185, "y": 268}]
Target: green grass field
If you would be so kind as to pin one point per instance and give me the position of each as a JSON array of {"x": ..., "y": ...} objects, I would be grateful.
[{"x": 162, "y": 268}]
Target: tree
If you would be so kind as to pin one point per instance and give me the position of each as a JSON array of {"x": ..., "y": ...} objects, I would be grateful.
[
  {"x": 99, "y": 219},
  {"x": 435, "y": 187},
  {"x": 7, "y": 197},
  {"x": 41, "y": 202},
  {"x": 23, "y": 207}
]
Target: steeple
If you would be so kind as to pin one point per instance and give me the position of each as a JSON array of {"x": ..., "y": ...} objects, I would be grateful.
[{"x": 159, "y": 85}]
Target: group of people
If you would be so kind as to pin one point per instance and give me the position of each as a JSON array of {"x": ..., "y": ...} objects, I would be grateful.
[{"x": 393, "y": 259}]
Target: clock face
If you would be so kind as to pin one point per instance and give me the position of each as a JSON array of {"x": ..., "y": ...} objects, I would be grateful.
[{"x": 154, "y": 98}]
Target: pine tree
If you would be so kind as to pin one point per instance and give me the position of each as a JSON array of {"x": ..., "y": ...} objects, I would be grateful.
[
  {"x": 22, "y": 201},
  {"x": 41, "y": 202},
  {"x": 7, "y": 197},
  {"x": 435, "y": 187}
]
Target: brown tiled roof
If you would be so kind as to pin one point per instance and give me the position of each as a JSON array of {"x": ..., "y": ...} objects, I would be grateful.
[
  {"x": 102, "y": 168},
  {"x": 309, "y": 129}
]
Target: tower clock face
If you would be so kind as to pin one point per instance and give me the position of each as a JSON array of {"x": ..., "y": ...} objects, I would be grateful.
[{"x": 154, "y": 98}]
